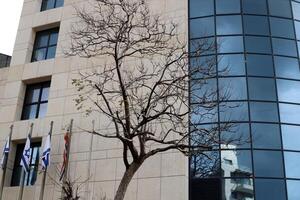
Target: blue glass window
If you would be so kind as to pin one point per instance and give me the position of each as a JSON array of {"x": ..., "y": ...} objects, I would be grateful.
[
  {"x": 266, "y": 136},
  {"x": 292, "y": 163},
  {"x": 203, "y": 113},
  {"x": 257, "y": 44},
  {"x": 293, "y": 189},
  {"x": 233, "y": 88},
  {"x": 255, "y": 6},
  {"x": 231, "y": 65},
  {"x": 203, "y": 46},
  {"x": 289, "y": 113},
  {"x": 260, "y": 65},
  {"x": 280, "y": 8},
  {"x": 203, "y": 90},
  {"x": 287, "y": 67},
  {"x": 229, "y": 25},
  {"x": 269, "y": 189},
  {"x": 296, "y": 10},
  {"x": 237, "y": 136},
  {"x": 288, "y": 91},
  {"x": 202, "y": 27},
  {"x": 265, "y": 112},
  {"x": 282, "y": 27},
  {"x": 228, "y": 6},
  {"x": 230, "y": 44},
  {"x": 284, "y": 47},
  {"x": 201, "y": 8},
  {"x": 291, "y": 137},
  {"x": 256, "y": 25},
  {"x": 233, "y": 111},
  {"x": 297, "y": 26},
  {"x": 203, "y": 67},
  {"x": 262, "y": 89},
  {"x": 50, "y": 4}
]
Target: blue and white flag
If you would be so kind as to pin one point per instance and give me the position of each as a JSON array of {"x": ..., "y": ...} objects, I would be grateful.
[
  {"x": 25, "y": 159},
  {"x": 6, "y": 150},
  {"x": 46, "y": 153}
]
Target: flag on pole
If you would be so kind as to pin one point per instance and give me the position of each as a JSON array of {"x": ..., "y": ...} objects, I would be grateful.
[
  {"x": 25, "y": 159},
  {"x": 5, "y": 152},
  {"x": 65, "y": 155},
  {"x": 46, "y": 153}
]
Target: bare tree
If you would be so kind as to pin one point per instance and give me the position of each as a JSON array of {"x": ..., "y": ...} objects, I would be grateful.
[{"x": 144, "y": 88}]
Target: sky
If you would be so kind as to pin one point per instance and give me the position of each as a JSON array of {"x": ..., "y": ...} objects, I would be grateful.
[{"x": 10, "y": 11}]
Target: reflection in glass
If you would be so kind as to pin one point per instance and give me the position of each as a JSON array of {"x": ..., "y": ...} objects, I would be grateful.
[
  {"x": 266, "y": 136},
  {"x": 205, "y": 165},
  {"x": 280, "y": 8},
  {"x": 262, "y": 89},
  {"x": 292, "y": 163},
  {"x": 287, "y": 67},
  {"x": 269, "y": 189},
  {"x": 202, "y": 27},
  {"x": 203, "y": 66},
  {"x": 260, "y": 65},
  {"x": 233, "y": 88},
  {"x": 268, "y": 163},
  {"x": 230, "y": 44},
  {"x": 236, "y": 163},
  {"x": 263, "y": 112},
  {"x": 256, "y": 25},
  {"x": 289, "y": 113},
  {"x": 284, "y": 47},
  {"x": 282, "y": 27},
  {"x": 29, "y": 112},
  {"x": 51, "y": 52},
  {"x": 197, "y": 46},
  {"x": 43, "y": 110},
  {"x": 228, "y": 25},
  {"x": 203, "y": 90},
  {"x": 256, "y": 44},
  {"x": 238, "y": 189},
  {"x": 288, "y": 91},
  {"x": 297, "y": 26},
  {"x": 255, "y": 6},
  {"x": 231, "y": 65},
  {"x": 207, "y": 134},
  {"x": 228, "y": 6},
  {"x": 237, "y": 136},
  {"x": 203, "y": 113},
  {"x": 201, "y": 8},
  {"x": 293, "y": 189},
  {"x": 33, "y": 95},
  {"x": 233, "y": 111},
  {"x": 296, "y": 10},
  {"x": 291, "y": 137}
]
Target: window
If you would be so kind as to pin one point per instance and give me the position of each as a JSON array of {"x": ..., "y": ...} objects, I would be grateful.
[
  {"x": 284, "y": 47},
  {"x": 49, "y": 4},
  {"x": 263, "y": 112},
  {"x": 287, "y": 67},
  {"x": 202, "y": 27},
  {"x": 268, "y": 163},
  {"x": 280, "y": 8},
  {"x": 36, "y": 101},
  {"x": 228, "y": 6},
  {"x": 30, "y": 178},
  {"x": 292, "y": 163},
  {"x": 297, "y": 26},
  {"x": 288, "y": 91},
  {"x": 237, "y": 136},
  {"x": 293, "y": 189},
  {"x": 231, "y": 44},
  {"x": 291, "y": 137},
  {"x": 260, "y": 65},
  {"x": 206, "y": 164},
  {"x": 231, "y": 65},
  {"x": 256, "y": 25},
  {"x": 266, "y": 136},
  {"x": 269, "y": 189},
  {"x": 201, "y": 8},
  {"x": 282, "y": 27},
  {"x": 255, "y": 6},
  {"x": 262, "y": 89},
  {"x": 233, "y": 88},
  {"x": 257, "y": 44},
  {"x": 233, "y": 111},
  {"x": 203, "y": 66},
  {"x": 203, "y": 90},
  {"x": 296, "y": 10},
  {"x": 289, "y": 113},
  {"x": 202, "y": 46},
  {"x": 45, "y": 45},
  {"x": 229, "y": 25}
]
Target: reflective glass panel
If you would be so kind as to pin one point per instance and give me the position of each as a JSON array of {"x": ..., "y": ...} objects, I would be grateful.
[
  {"x": 266, "y": 136},
  {"x": 262, "y": 89},
  {"x": 234, "y": 111},
  {"x": 39, "y": 54},
  {"x": 53, "y": 39},
  {"x": 43, "y": 110},
  {"x": 203, "y": 46},
  {"x": 288, "y": 91},
  {"x": 256, "y": 25},
  {"x": 263, "y": 112},
  {"x": 45, "y": 94},
  {"x": 202, "y": 27},
  {"x": 59, "y": 3},
  {"x": 236, "y": 163},
  {"x": 281, "y": 8},
  {"x": 233, "y": 88},
  {"x": 296, "y": 10},
  {"x": 257, "y": 44},
  {"x": 231, "y": 44},
  {"x": 284, "y": 47},
  {"x": 237, "y": 136},
  {"x": 255, "y": 6},
  {"x": 32, "y": 95},
  {"x": 292, "y": 163},
  {"x": 297, "y": 26},
  {"x": 29, "y": 112},
  {"x": 269, "y": 189},
  {"x": 203, "y": 66},
  {"x": 291, "y": 137},
  {"x": 287, "y": 67},
  {"x": 51, "y": 52},
  {"x": 260, "y": 65},
  {"x": 205, "y": 165},
  {"x": 229, "y": 25},
  {"x": 207, "y": 134},
  {"x": 293, "y": 189},
  {"x": 263, "y": 160},
  {"x": 233, "y": 187},
  {"x": 230, "y": 65},
  {"x": 203, "y": 90},
  {"x": 228, "y": 6},
  {"x": 282, "y": 27},
  {"x": 205, "y": 113},
  {"x": 201, "y": 8},
  {"x": 42, "y": 41},
  {"x": 289, "y": 113}
]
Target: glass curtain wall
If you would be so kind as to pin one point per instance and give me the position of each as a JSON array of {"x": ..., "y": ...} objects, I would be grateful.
[{"x": 258, "y": 43}]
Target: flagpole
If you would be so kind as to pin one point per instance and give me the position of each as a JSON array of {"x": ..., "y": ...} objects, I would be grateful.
[
  {"x": 5, "y": 164},
  {"x": 66, "y": 173},
  {"x": 23, "y": 177},
  {"x": 45, "y": 170}
]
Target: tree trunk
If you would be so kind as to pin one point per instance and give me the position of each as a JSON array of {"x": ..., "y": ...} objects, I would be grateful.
[{"x": 127, "y": 176}]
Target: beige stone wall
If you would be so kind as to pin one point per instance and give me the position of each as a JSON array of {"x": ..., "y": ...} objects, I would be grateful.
[{"x": 163, "y": 177}]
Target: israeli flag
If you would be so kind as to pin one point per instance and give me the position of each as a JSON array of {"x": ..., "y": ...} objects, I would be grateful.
[
  {"x": 46, "y": 153},
  {"x": 5, "y": 152},
  {"x": 25, "y": 159}
]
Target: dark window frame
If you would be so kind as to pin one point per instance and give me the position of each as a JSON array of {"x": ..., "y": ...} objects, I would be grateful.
[
  {"x": 43, "y": 8},
  {"x": 39, "y": 34},
  {"x": 41, "y": 87},
  {"x": 18, "y": 170}
]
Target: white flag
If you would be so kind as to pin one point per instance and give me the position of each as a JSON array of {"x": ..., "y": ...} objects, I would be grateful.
[
  {"x": 46, "y": 153},
  {"x": 25, "y": 159},
  {"x": 5, "y": 152}
]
